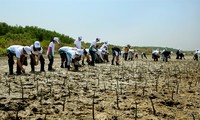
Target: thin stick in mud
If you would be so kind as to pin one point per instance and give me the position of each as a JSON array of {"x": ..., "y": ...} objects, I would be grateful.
[
  {"x": 93, "y": 117},
  {"x": 154, "y": 111},
  {"x": 136, "y": 110},
  {"x": 117, "y": 98},
  {"x": 22, "y": 89},
  {"x": 64, "y": 104},
  {"x": 9, "y": 89}
]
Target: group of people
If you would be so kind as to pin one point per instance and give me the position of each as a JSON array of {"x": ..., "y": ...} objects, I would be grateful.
[
  {"x": 179, "y": 54},
  {"x": 68, "y": 55},
  {"x": 166, "y": 54},
  {"x": 156, "y": 54},
  {"x": 130, "y": 54},
  {"x": 75, "y": 54},
  {"x": 35, "y": 52}
]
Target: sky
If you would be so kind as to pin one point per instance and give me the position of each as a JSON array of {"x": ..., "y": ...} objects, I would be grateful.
[{"x": 164, "y": 23}]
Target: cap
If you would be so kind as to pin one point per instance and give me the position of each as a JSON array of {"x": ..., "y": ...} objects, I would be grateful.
[
  {"x": 37, "y": 44},
  {"x": 98, "y": 39},
  {"x": 80, "y": 37},
  {"x": 56, "y": 39},
  {"x": 106, "y": 41},
  {"x": 27, "y": 49}
]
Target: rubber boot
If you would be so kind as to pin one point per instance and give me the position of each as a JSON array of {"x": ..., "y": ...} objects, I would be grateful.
[
  {"x": 112, "y": 62},
  {"x": 68, "y": 67},
  {"x": 75, "y": 67},
  {"x": 65, "y": 64},
  {"x": 42, "y": 68},
  {"x": 62, "y": 66},
  {"x": 83, "y": 62},
  {"x": 117, "y": 63}
]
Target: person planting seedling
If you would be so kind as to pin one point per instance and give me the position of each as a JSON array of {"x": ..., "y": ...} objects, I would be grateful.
[
  {"x": 68, "y": 54},
  {"x": 20, "y": 52},
  {"x": 36, "y": 50},
  {"x": 115, "y": 53}
]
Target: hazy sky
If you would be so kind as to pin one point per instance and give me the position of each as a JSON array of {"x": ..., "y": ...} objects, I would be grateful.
[{"x": 166, "y": 23}]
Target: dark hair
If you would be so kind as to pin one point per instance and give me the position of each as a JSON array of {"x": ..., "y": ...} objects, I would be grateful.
[
  {"x": 52, "y": 40},
  {"x": 36, "y": 48}
]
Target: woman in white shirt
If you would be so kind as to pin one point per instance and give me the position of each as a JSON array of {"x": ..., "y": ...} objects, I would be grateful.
[{"x": 50, "y": 53}]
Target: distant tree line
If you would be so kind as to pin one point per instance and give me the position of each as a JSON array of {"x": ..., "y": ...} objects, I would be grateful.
[
  {"x": 32, "y": 32},
  {"x": 10, "y": 35}
]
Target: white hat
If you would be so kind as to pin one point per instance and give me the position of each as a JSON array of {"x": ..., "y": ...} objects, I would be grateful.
[
  {"x": 37, "y": 44},
  {"x": 80, "y": 37},
  {"x": 27, "y": 49},
  {"x": 98, "y": 39},
  {"x": 106, "y": 41},
  {"x": 56, "y": 39}
]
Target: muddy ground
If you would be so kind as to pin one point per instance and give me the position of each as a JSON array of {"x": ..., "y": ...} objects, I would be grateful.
[{"x": 105, "y": 92}]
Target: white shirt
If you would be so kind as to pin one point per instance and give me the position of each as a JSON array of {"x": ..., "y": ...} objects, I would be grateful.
[
  {"x": 71, "y": 53},
  {"x": 93, "y": 44},
  {"x": 78, "y": 44},
  {"x": 196, "y": 52},
  {"x": 104, "y": 47},
  {"x": 36, "y": 52},
  {"x": 122, "y": 52},
  {"x": 155, "y": 52},
  {"x": 99, "y": 51},
  {"x": 74, "y": 53},
  {"x": 16, "y": 49},
  {"x": 87, "y": 50},
  {"x": 51, "y": 44},
  {"x": 66, "y": 48},
  {"x": 131, "y": 51},
  {"x": 163, "y": 51},
  {"x": 143, "y": 53}
]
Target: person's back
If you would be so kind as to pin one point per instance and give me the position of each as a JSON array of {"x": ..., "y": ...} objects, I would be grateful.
[
  {"x": 14, "y": 48},
  {"x": 116, "y": 49},
  {"x": 20, "y": 52},
  {"x": 65, "y": 48},
  {"x": 155, "y": 55}
]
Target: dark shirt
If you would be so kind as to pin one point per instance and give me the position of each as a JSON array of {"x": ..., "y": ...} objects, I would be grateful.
[{"x": 116, "y": 49}]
